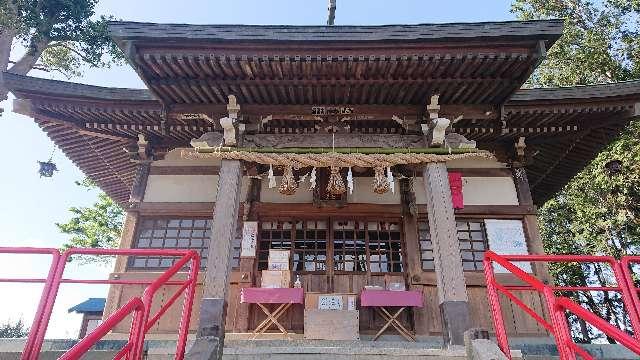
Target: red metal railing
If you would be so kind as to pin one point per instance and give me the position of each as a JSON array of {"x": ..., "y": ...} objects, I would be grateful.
[
  {"x": 43, "y": 312},
  {"x": 558, "y": 306},
  {"x": 140, "y": 307}
]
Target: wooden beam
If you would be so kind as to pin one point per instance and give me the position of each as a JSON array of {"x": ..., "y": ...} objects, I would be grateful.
[
  {"x": 469, "y": 111},
  {"x": 452, "y": 291}
]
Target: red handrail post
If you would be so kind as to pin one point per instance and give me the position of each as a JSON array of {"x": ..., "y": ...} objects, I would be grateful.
[
  {"x": 38, "y": 329},
  {"x": 625, "y": 267},
  {"x": 187, "y": 306},
  {"x": 627, "y": 289},
  {"x": 494, "y": 303},
  {"x": 561, "y": 332}
]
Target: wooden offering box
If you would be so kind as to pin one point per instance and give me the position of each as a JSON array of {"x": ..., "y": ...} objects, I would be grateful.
[{"x": 331, "y": 324}]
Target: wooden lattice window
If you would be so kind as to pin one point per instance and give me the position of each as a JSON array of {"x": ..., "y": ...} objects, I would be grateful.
[
  {"x": 472, "y": 239},
  {"x": 349, "y": 246},
  {"x": 310, "y": 245},
  {"x": 473, "y": 243},
  {"x": 174, "y": 233},
  {"x": 273, "y": 235},
  {"x": 385, "y": 246},
  {"x": 426, "y": 246},
  {"x": 340, "y": 245}
]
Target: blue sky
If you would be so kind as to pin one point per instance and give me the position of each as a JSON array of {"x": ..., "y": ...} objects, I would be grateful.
[{"x": 29, "y": 205}]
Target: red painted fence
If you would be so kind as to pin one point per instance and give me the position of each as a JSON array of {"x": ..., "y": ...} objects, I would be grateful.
[
  {"x": 558, "y": 306},
  {"x": 138, "y": 307}
]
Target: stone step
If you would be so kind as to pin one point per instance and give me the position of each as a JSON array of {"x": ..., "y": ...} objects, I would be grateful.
[{"x": 335, "y": 350}]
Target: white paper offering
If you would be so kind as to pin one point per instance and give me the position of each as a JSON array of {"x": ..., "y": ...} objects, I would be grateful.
[
  {"x": 506, "y": 237},
  {"x": 327, "y": 302},
  {"x": 249, "y": 238}
]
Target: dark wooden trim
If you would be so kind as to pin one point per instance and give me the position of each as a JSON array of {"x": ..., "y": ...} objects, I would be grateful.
[
  {"x": 496, "y": 210},
  {"x": 482, "y": 172},
  {"x": 472, "y": 278},
  {"x": 489, "y": 210},
  {"x": 176, "y": 208},
  {"x": 311, "y": 210},
  {"x": 140, "y": 183},
  {"x": 523, "y": 190},
  {"x": 184, "y": 170}
]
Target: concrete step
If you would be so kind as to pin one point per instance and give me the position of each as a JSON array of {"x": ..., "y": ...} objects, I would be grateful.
[{"x": 335, "y": 350}]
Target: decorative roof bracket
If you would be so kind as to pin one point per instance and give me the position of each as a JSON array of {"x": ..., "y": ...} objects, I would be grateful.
[
  {"x": 436, "y": 128},
  {"x": 228, "y": 122}
]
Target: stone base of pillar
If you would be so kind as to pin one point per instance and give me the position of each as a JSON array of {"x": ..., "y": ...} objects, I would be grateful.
[
  {"x": 211, "y": 318},
  {"x": 210, "y": 336},
  {"x": 205, "y": 348},
  {"x": 455, "y": 321}
]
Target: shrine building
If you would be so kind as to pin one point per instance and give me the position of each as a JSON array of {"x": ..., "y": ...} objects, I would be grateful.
[{"x": 376, "y": 156}]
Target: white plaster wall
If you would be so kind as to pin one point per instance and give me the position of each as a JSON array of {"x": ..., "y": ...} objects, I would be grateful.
[
  {"x": 489, "y": 191},
  {"x": 302, "y": 195},
  {"x": 478, "y": 191},
  {"x": 174, "y": 158},
  {"x": 186, "y": 188},
  {"x": 363, "y": 193}
]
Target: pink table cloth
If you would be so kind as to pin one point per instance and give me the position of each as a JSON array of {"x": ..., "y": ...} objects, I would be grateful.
[
  {"x": 391, "y": 298},
  {"x": 272, "y": 296}
]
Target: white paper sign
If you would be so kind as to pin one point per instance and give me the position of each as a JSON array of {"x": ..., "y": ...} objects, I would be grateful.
[
  {"x": 330, "y": 302},
  {"x": 249, "y": 238},
  {"x": 506, "y": 237},
  {"x": 351, "y": 303}
]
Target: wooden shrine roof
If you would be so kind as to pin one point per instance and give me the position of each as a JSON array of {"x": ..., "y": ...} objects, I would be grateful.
[
  {"x": 548, "y": 29},
  {"x": 565, "y": 127},
  {"x": 465, "y": 63}
]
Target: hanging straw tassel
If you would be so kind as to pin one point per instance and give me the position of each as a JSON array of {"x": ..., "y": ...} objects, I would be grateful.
[
  {"x": 390, "y": 180},
  {"x": 336, "y": 185},
  {"x": 288, "y": 185},
  {"x": 380, "y": 182},
  {"x": 272, "y": 179},
  {"x": 350, "y": 181}
]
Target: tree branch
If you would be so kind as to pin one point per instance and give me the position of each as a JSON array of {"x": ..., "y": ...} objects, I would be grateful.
[{"x": 75, "y": 51}]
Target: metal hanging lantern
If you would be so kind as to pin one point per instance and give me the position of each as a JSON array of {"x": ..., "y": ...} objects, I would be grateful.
[
  {"x": 288, "y": 186},
  {"x": 47, "y": 168},
  {"x": 613, "y": 167}
]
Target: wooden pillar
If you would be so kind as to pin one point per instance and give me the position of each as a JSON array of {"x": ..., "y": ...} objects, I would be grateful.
[
  {"x": 127, "y": 237},
  {"x": 213, "y": 307},
  {"x": 530, "y": 222},
  {"x": 452, "y": 290},
  {"x": 412, "y": 249}
]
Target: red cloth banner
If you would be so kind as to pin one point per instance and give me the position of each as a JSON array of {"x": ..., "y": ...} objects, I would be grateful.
[{"x": 455, "y": 183}]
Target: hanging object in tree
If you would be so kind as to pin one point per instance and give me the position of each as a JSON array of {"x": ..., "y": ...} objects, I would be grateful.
[
  {"x": 380, "y": 181},
  {"x": 392, "y": 184},
  {"x": 336, "y": 185},
  {"x": 272, "y": 179},
  {"x": 47, "y": 168},
  {"x": 350, "y": 181},
  {"x": 288, "y": 185}
]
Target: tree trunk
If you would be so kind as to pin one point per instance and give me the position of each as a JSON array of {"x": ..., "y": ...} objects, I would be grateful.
[
  {"x": 29, "y": 59},
  {"x": 6, "y": 40}
]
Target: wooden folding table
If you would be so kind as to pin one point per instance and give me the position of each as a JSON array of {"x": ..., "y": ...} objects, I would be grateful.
[
  {"x": 381, "y": 300},
  {"x": 264, "y": 296}
]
